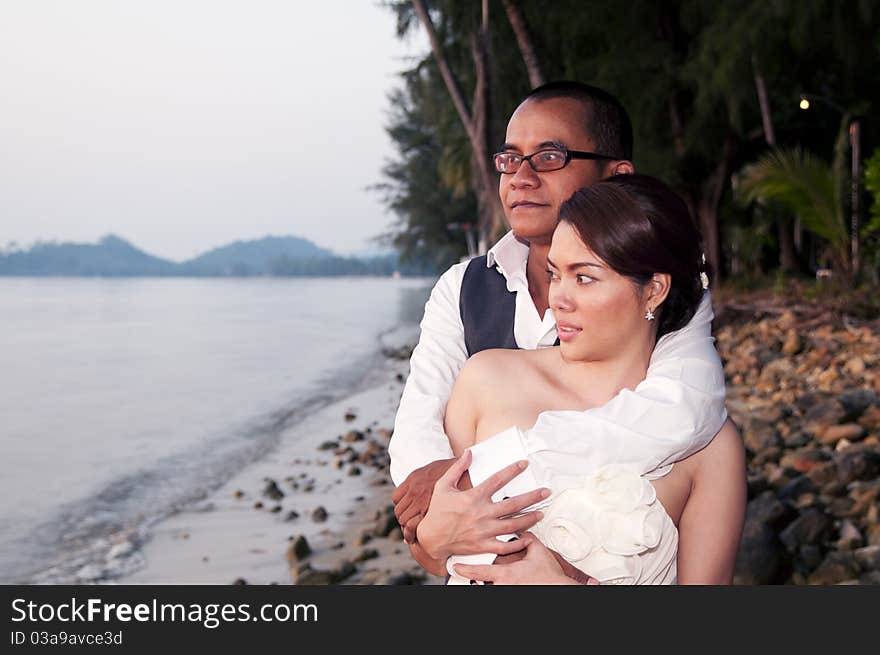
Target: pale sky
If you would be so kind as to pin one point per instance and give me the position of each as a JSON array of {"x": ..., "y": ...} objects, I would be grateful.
[{"x": 182, "y": 125}]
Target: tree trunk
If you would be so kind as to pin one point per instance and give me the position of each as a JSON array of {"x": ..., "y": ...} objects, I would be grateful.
[
  {"x": 788, "y": 261},
  {"x": 524, "y": 40},
  {"x": 705, "y": 200},
  {"x": 476, "y": 125}
]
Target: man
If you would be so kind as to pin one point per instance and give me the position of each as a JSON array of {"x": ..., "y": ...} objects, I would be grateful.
[{"x": 562, "y": 137}]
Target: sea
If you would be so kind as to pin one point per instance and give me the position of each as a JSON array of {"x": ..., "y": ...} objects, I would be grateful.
[{"x": 123, "y": 400}]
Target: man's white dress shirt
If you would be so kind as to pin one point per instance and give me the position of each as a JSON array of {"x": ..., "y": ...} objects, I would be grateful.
[{"x": 673, "y": 413}]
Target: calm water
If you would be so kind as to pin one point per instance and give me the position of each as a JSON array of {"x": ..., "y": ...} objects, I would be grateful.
[{"x": 121, "y": 399}]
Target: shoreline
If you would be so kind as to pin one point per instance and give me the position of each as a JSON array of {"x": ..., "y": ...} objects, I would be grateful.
[{"x": 315, "y": 510}]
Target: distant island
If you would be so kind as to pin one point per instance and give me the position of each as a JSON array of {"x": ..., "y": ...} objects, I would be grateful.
[{"x": 113, "y": 256}]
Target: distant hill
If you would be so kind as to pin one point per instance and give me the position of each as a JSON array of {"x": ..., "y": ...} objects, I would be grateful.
[
  {"x": 111, "y": 256},
  {"x": 252, "y": 257},
  {"x": 276, "y": 256}
]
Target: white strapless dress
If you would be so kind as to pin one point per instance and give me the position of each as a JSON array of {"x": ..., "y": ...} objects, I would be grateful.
[{"x": 609, "y": 524}]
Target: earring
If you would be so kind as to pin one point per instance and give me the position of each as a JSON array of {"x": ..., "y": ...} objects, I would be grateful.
[{"x": 649, "y": 314}]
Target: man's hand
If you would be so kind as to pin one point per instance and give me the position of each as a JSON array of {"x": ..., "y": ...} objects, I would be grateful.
[
  {"x": 412, "y": 497},
  {"x": 467, "y": 522}
]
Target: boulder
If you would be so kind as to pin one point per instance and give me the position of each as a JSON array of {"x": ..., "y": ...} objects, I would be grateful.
[
  {"x": 857, "y": 464},
  {"x": 271, "y": 490},
  {"x": 837, "y": 567},
  {"x": 849, "y": 431},
  {"x": 809, "y": 528},
  {"x": 298, "y": 550},
  {"x": 759, "y": 436},
  {"x": 761, "y": 559},
  {"x": 856, "y": 401},
  {"x": 868, "y": 557}
]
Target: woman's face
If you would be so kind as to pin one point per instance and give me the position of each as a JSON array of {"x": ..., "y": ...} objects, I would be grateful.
[{"x": 599, "y": 313}]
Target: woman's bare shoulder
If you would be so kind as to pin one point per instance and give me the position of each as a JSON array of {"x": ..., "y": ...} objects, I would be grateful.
[
  {"x": 725, "y": 454},
  {"x": 497, "y": 361}
]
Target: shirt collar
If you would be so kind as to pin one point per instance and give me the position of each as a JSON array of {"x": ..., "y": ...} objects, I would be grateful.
[{"x": 510, "y": 255}]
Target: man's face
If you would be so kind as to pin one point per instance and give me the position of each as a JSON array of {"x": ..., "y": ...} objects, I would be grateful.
[{"x": 531, "y": 200}]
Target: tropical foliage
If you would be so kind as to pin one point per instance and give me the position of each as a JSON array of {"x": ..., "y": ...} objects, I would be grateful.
[{"x": 711, "y": 88}]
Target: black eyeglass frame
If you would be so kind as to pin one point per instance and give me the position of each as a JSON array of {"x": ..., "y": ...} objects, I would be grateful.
[{"x": 569, "y": 155}]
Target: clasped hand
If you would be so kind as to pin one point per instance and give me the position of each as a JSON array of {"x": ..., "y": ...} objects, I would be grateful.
[{"x": 465, "y": 522}]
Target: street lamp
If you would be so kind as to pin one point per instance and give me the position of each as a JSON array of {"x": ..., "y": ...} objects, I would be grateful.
[{"x": 855, "y": 150}]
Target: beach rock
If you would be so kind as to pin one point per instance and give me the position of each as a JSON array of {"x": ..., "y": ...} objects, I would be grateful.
[
  {"x": 850, "y": 537},
  {"x": 857, "y": 464},
  {"x": 799, "y": 486},
  {"x": 385, "y": 524},
  {"x": 848, "y": 431},
  {"x": 870, "y": 578},
  {"x": 241, "y": 581},
  {"x": 856, "y": 401},
  {"x": 276, "y": 509},
  {"x": 837, "y": 567},
  {"x": 307, "y": 576},
  {"x": 354, "y": 470},
  {"x": 298, "y": 550},
  {"x": 757, "y": 484},
  {"x": 759, "y": 436},
  {"x": 405, "y": 578},
  {"x": 823, "y": 474},
  {"x": 792, "y": 344},
  {"x": 367, "y": 554},
  {"x": 795, "y": 438},
  {"x": 319, "y": 515},
  {"x": 823, "y": 415},
  {"x": 271, "y": 490},
  {"x": 345, "y": 570},
  {"x": 329, "y": 445},
  {"x": 840, "y": 508},
  {"x": 258, "y": 505},
  {"x": 855, "y": 366},
  {"x": 350, "y": 416},
  {"x": 292, "y": 515},
  {"x": 771, "y": 454},
  {"x": 870, "y": 418},
  {"x": 761, "y": 559},
  {"x": 804, "y": 460},
  {"x": 768, "y": 510},
  {"x": 868, "y": 557},
  {"x": 238, "y": 494},
  {"x": 352, "y": 436},
  {"x": 809, "y": 528},
  {"x": 363, "y": 538}
]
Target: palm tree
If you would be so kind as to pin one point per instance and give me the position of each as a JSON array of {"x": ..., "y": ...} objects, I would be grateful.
[{"x": 810, "y": 189}]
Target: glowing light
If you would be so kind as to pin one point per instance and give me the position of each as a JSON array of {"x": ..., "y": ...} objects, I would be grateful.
[{"x": 805, "y": 104}]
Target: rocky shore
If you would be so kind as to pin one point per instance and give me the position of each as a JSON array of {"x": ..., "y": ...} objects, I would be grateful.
[
  {"x": 803, "y": 388},
  {"x": 802, "y": 385}
]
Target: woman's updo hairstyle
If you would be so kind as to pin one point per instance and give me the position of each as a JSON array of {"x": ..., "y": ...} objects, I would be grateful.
[{"x": 639, "y": 226}]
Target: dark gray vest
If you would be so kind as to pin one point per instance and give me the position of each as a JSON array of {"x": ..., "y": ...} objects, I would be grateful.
[{"x": 487, "y": 308}]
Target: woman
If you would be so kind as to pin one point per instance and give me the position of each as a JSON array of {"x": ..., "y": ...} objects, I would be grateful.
[{"x": 625, "y": 268}]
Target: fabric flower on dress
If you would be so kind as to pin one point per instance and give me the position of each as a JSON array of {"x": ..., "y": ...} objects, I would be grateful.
[{"x": 601, "y": 525}]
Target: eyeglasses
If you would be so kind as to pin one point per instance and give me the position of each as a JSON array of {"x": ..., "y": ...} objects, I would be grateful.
[{"x": 551, "y": 159}]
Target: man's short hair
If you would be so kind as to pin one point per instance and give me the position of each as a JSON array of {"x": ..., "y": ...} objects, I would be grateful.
[{"x": 607, "y": 122}]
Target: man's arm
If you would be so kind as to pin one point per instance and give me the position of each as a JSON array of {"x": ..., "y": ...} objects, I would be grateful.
[
  {"x": 418, "y": 437},
  {"x": 419, "y": 449},
  {"x": 673, "y": 413}
]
